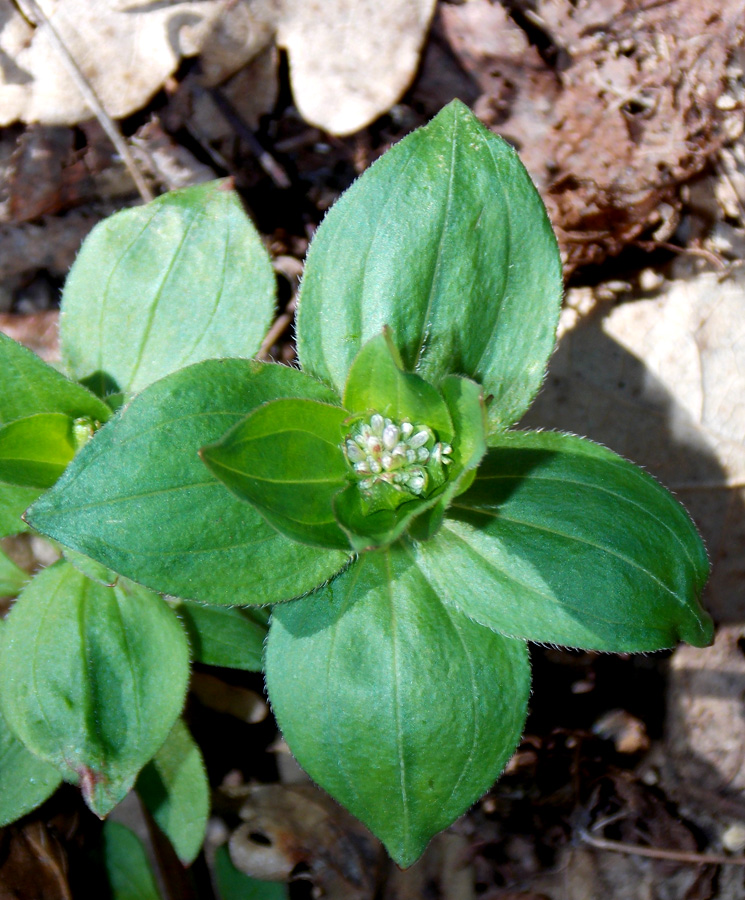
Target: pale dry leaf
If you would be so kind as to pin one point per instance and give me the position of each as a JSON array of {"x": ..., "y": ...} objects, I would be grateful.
[
  {"x": 351, "y": 60},
  {"x": 297, "y": 828},
  {"x": 126, "y": 49}
]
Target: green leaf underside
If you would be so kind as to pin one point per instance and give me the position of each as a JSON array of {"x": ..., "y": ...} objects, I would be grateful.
[
  {"x": 127, "y": 866},
  {"x": 161, "y": 286},
  {"x": 445, "y": 240},
  {"x": 174, "y": 787},
  {"x": 224, "y": 636},
  {"x": 562, "y": 541},
  {"x": 92, "y": 678},
  {"x": 234, "y": 885},
  {"x": 286, "y": 459},
  {"x": 138, "y": 499},
  {"x": 25, "y": 780},
  {"x": 403, "y": 709},
  {"x": 376, "y": 383},
  {"x": 29, "y": 386},
  {"x": 12, "y": 577},
  {"x": 35, "y": 450}
]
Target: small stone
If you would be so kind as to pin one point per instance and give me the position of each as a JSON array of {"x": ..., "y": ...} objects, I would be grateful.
[{"x": 733, "y": 838}]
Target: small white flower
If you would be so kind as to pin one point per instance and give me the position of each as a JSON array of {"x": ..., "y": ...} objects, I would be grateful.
[
  {"x": 395, "y": 453},
  {"x": 391, "y": 435},
  {"x": 355, "y": 453}
]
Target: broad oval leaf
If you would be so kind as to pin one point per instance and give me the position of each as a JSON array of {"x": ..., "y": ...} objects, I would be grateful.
[
  {"x": 29, "y": 386},
  {"x": 399, "y": 706},
  {"x": 35, "y": 450},
  {"x": 286, "y": 459},
  {"x": 93, "y": 678},
  {"x": 158, "y": 287},
  {"x": 127, "y": 865},
  {"x": 562, "y": 541},
  {"x": 445, "y": 240},
  {"x": 138, "y": 499},
  {"x": 174, "y": 788},
  {"x": 25, "y": 780},
  {"x": 228, "y": 636}
]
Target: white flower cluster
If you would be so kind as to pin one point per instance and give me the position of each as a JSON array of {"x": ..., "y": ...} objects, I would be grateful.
[{"x": 382, "y": 451}]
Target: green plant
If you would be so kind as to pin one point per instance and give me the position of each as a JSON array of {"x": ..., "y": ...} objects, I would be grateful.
[{"x": 409, "y": 539}]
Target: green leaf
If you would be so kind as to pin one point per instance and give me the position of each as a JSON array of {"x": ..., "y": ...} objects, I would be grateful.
[
  {"x": 158, "y": 287},
  {"x": 138, "y": 499},
  {"x": 35, "y": 450},
  {"x": 286, "y": 459},
  {"x": 445, "y": 240},
  {"x": 90, "y": 568},
  {"x": 403, "y": 709},
  {"x": 93, "y": 678},
  {"x": 130, "y": 875},
  {"x": 29, "y": 386},
  {"x": 25, "y": 780},
  {"x": 224, "y": 636},
  {"x": 466, "y": 405},
  {"x": 561, "y": 541},
  {"x": 234, "y": 885},
  {"x": 370, "y": 530},
  {"x": 174, "y": 787},
  {"x": 12, "y": 577},
  {"x": 465, "y": 402},
  {"x": 13, "y": 501},
  {"x": 377, "y": 383}
]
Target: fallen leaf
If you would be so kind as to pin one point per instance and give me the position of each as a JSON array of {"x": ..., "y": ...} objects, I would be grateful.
[
  {"x": 38, "y": 331},
  {"x": 612, "y": 103},
  {"x": 33, "y": 863},
  {"x": 298, "y": 831},
  {"x": 126, "y": 49},
  {"x": 351, "y": 60},
  {"x": 236, "y": 701}
]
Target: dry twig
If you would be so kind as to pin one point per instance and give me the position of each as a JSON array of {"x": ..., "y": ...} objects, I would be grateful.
[{"x": 682, "y": 856}]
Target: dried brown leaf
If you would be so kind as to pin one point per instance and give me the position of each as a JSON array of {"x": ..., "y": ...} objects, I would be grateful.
[{"x": 292, "y": 830}]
